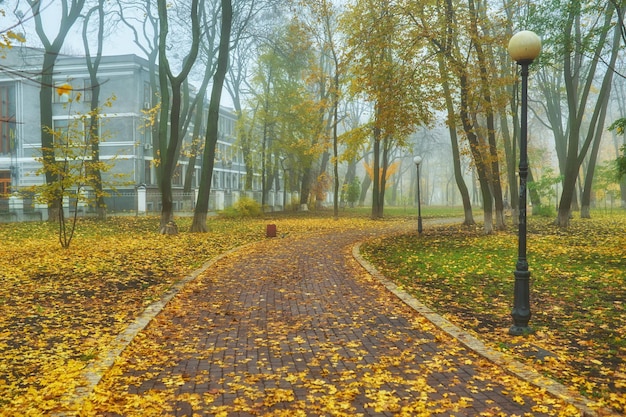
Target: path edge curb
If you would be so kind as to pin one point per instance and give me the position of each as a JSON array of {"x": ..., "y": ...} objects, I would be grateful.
[
  {"x": 94, "y": 371},
  {"x": 510, "y": 365}
]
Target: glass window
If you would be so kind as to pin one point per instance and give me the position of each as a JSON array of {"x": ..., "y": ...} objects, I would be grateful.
[
  {"x": 69, "y": 139},
  {"x": 7, "y": 119},
  {"x": 5, "y": 182},
  {"x": 148, "y": 172},
  {"x": 177, "y": 178}
]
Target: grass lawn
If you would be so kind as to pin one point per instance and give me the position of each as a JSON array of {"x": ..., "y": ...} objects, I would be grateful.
[{"x": 578, "y": 293}]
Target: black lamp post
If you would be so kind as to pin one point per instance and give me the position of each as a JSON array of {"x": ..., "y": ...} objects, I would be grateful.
[
  {"x": 418, "y": 160},
  {"x": 524, "y": 47},
  {"x": 282, "y": 163}
]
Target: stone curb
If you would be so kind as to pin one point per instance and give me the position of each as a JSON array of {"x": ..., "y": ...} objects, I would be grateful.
[
  {"x": 94, "y": 371},
  {"x": 507, "y": 363}
]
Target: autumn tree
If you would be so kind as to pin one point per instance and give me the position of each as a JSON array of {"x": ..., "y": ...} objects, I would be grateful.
[
  {"x": 439, "y": 27},
  {"x": 386, "y": 71},
  {"x": 287, "y": 107},
  {"x": 73, "y": 166},
  {"x": 325, "y": 20}
]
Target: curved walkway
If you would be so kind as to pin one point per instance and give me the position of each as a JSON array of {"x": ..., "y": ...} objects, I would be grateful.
[{"x": 296, "y": 326}]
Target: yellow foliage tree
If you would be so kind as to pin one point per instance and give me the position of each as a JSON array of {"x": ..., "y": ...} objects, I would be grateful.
[{"x": 391, "y": 169}]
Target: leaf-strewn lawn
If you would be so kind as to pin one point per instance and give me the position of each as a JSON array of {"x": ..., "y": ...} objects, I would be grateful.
[
  {"x": 61, "y": 308},
  {"x": 578, "y": 293}
]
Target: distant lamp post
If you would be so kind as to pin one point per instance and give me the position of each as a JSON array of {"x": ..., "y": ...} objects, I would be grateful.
[
  {"x": 282, "y": 163},
  {"x": 524, "y": 47},
  {"x": 418, "y": 160}
]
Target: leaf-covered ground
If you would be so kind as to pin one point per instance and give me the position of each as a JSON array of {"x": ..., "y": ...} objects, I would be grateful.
[
  {"x": 310, "y": 333},
  {"x": 578, "y": 294},
  {"x": 61, "y": 308}
]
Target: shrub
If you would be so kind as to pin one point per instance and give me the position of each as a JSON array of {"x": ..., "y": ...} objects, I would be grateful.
[
  {"x": 544, "y": 210},
  {"x": 244, "y": 207}
]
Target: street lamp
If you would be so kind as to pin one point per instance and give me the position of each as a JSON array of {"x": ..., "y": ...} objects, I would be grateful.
[
  {"x": 524, "y": 47},
  {"x": 418, "y": 160},
  {"x": 282, "y": 163}
]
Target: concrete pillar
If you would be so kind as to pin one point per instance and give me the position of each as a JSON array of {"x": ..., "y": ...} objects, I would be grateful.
[
  {"x": 16, "y": 206},
  {"x": 141, "y": 200},
  {"x": 219, "y": 200}
]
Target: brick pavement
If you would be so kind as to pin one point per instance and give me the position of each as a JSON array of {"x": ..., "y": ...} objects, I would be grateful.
[{"x": 295, "y": 326}]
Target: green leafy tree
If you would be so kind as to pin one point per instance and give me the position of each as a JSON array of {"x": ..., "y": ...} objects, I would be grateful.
[
  {"x": 621, "y": 163},
  {"x": 544, "y": 187},
  {"x": 580, "y": 40},
  {"x": 353, "y": 192}
]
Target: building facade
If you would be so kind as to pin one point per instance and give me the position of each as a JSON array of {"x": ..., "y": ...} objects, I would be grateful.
[{"x": 126, "y": 140}]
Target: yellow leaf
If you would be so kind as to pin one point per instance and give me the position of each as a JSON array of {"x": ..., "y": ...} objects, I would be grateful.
[{"x": 64, "y": 89}]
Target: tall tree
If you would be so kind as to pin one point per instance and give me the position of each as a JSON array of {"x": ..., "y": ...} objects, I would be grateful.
[
  {"x": 94, "y": 85},
  {"x": 202, "y": 205},
  {"x": 481, "y": 42},
  {"x": 325, "y": 17},
  {"x": 171, "y": 103},
  {"x": 70, "y": 12},
  {"x": 288, "y": 107},
  {"x": 598, "y": 119},
  {"x": 441, "y": 35},
  {"x": 575, "y": 34},
  {"x": 386, "y": 71}
]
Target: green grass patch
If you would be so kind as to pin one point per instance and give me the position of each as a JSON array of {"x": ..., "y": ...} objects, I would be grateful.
[{"x": 578, "y": 291}]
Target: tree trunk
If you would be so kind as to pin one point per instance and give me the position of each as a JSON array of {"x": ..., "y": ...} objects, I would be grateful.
[
  {"x": 481, "y": 168},
  {"x": 94, "y": 121},
  {"x": 67, "y": 20},
  {"x": 335, "y": 140},
  {"x": 494, "y": 180},
  {"x": 169, "y": 146},
  {"x": 197, "y": 127},
  {"x": 456, "y": 154},
  {"x": 533, "y": 194},
  {"x": 585, "y": 204},
  {"x": 376, "y": 210},
  {"x": 350, "y": 175},
  {"x": 320, "y": 191},
  {"x": 365, "y": 185},
  {"x": 202, "y": 207},
  {"x": 305, "y": 186},
  {"x": 47, "y": 139},
  {"x": 602, "y": 103}
]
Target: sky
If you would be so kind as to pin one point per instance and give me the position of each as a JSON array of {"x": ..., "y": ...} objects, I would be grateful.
[{"x": 119, "y": 41}]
